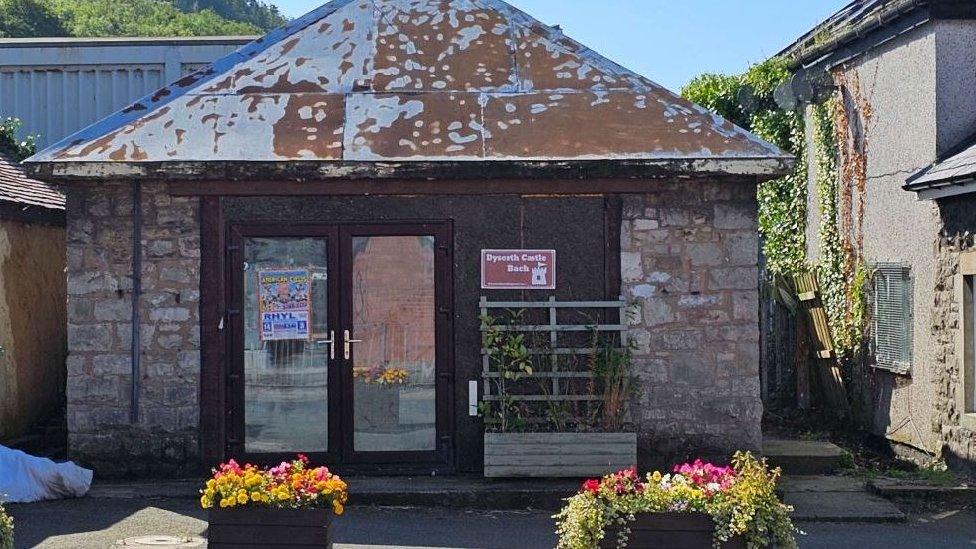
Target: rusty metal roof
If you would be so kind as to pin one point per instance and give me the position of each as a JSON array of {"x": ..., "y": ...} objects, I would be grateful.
[{"x": 413, "y": 80}]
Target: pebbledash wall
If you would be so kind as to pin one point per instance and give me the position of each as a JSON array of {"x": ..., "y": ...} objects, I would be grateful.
[{"x": 688, "y": 259}]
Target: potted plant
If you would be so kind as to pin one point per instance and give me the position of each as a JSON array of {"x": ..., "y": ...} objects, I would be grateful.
[
  {"x": 377, "y": 397},
  {"x": 6, "y": 529},
  {"x": 551, "y": 410},
  {"x": 290, "y": 505},
  {"x": 700, "y": 504}
]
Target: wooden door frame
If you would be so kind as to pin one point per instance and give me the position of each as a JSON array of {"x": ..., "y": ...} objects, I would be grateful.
[
  {"x": 443, "y": 342},
  {"x": 234, "y": 365},
  {"x": 215, "y": 399}
]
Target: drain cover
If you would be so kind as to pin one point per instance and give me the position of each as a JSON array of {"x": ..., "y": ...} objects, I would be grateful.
[{"x": 161, "y": 542}]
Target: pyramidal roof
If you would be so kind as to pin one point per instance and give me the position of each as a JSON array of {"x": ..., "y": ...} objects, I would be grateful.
[{"x": 412, "y": 80}]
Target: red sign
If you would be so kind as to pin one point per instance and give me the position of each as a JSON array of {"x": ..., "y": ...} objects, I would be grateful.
[{"x": 518, "y": 269}]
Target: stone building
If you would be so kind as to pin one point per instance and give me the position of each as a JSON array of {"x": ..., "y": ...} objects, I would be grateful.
[
  {"x": 915, "y": 66},
  {"x": 371, "y": 138},
  {"x": 32, "y": 301}
]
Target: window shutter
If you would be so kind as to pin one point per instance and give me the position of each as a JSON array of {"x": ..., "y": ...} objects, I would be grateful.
[{"x": 892, "y": 319}]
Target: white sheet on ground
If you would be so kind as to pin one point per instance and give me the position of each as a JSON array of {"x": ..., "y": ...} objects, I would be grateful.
[{"x": 25, "y": 478}]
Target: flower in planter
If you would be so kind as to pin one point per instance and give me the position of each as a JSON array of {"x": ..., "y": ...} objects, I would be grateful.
[
  {"x": 381, "y": 375},
  {"x": 6, "y": 529},
  {"x": 289, "y": 485},
  {"x": 741, "y": 499}
]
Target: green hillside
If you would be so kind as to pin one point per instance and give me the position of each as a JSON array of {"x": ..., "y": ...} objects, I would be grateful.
[{"x": 97, "y": 18}]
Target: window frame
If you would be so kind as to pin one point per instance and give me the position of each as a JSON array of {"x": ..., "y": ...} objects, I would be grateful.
[
  {"x": 965, "y": 287},
  {"x": 904, "y": 369}
]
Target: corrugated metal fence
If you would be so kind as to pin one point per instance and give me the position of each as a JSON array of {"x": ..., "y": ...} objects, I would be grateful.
[{"x": 57, "y": 86}]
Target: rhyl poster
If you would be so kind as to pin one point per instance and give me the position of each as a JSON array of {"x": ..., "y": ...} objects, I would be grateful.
[{"x": 284, "y": 304}]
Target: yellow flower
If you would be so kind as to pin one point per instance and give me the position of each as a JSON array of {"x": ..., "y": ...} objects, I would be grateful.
[
  {"x": 242, "y": 498},
  {"x": 656, "y": 476}
]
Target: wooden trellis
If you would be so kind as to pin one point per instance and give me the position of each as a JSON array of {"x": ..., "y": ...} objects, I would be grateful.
[{"x": 555, "y": 329}]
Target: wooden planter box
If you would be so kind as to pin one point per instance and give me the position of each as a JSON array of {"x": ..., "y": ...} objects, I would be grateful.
[
  {"x": 269, "y": 528},
  {"x": 669, "y": 531},
  {"x": 549, "y": 455}
]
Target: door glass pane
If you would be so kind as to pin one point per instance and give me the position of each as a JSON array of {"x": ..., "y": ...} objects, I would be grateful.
[
  {"x": 285, "y": 357},
  {"x": 393, "y": 366}
]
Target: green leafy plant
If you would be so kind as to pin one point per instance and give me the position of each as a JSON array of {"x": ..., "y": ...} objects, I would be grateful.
[
  {"x": 11, "y": 144},
  {"x": 741, "y": 499},
  {"x": 6, "y": 529},
  {"x": 612, "y": 380},
  {"x": 509, "y": 357}
]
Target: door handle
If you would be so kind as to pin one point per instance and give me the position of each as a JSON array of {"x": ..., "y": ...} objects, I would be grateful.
[
  {"x": 331, "y": 342},
  {"x": 347, "y": 345}
]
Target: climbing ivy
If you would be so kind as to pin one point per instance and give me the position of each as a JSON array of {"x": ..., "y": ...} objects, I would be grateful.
[{"x": 782, "y": 202}]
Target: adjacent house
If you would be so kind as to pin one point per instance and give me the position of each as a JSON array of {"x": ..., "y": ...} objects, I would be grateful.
[
  {"x": 912, "y": 66},
  {"x": 32, "y": 300},
  {"x": 245, "y": 240}
]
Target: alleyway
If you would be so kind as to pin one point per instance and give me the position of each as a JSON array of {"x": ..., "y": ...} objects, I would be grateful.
[{"x": 93, "y": 523}]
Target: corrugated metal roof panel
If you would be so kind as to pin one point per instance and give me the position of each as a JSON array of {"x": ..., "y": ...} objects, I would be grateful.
[{"x": 375, "y": 80}]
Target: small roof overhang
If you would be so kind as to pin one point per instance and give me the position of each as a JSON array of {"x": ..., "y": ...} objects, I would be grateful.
[
  {"x": 952, "y": 175},
  {"x": 420, "y": 89}
]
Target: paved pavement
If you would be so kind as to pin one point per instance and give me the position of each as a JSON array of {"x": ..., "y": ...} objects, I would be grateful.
[{"x": 98, "y": 523}]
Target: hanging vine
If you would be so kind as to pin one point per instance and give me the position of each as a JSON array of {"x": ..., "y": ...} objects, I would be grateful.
[{"x": 840, "y": 142}]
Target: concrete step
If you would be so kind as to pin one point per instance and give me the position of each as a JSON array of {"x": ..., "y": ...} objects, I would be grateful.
[
  {"x": 803, "y": 457},
  {"x": 835, "y": 499}
]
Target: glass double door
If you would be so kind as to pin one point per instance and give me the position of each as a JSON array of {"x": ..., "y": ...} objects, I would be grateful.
[{"x": 336, "y": 343}]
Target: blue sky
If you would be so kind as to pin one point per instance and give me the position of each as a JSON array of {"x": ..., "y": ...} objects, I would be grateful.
[{"x": 670, "y": 41}]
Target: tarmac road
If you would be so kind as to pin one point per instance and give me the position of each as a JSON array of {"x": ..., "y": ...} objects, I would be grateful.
[{"x": 98, "y": 523}]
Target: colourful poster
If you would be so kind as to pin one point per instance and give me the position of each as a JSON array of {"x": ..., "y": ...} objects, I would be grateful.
[{"x": 284, "y": 305}]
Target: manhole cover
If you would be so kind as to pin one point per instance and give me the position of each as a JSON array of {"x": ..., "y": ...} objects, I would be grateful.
[{"x": 161, "y": 542}]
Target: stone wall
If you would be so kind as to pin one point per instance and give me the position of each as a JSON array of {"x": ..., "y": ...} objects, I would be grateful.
[
  {"x": 958, "y": 443},
  {"x": 100, "y": 283},
  {"x": 689, "y": 255}
]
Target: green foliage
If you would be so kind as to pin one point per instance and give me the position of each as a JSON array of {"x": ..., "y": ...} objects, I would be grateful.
[
  {"x": 612, "y": 376},
  {"x": 140, "y": 18},
  {"x": 19, "y": 149},
  {"x": 26, "y": 18},
  {"x": 6, "y": 530},
  {"x": 843, "y": 292},
  {"x": 261, "y": 15},
  {"x": 509, "y": 357},
  {"x": 782, "y": 202},
  {"x": 746, "y": 506},
  {"x": 97, "y": 18}
]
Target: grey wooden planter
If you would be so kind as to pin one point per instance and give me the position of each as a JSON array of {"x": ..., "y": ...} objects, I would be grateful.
[
  {"x": 549, "y": 455},
  {"x": 671, "y": 531}
]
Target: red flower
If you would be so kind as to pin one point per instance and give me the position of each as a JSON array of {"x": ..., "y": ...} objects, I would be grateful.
[
  {"x": 592, "y": 485},
  {"x": 303, "y": 458}
]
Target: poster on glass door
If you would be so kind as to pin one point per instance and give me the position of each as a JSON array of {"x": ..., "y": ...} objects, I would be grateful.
[{"x": 284, "y": 304}]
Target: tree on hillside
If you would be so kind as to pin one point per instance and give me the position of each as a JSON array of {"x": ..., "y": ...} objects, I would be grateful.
[
  {"x": 26, "y": 18},
  {"x": 255, "y": 12},
  {"x": 141, "y": 18},
  {"x": 96, "y": 18}
]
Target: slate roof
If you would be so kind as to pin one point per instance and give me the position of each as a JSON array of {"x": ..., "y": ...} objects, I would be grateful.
[
  {"x": 849, "y": 23},
  {"x": 957, "y": 165},
  {"x": 19, "y": 190},
  {"x": 411, "y": 80}
]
